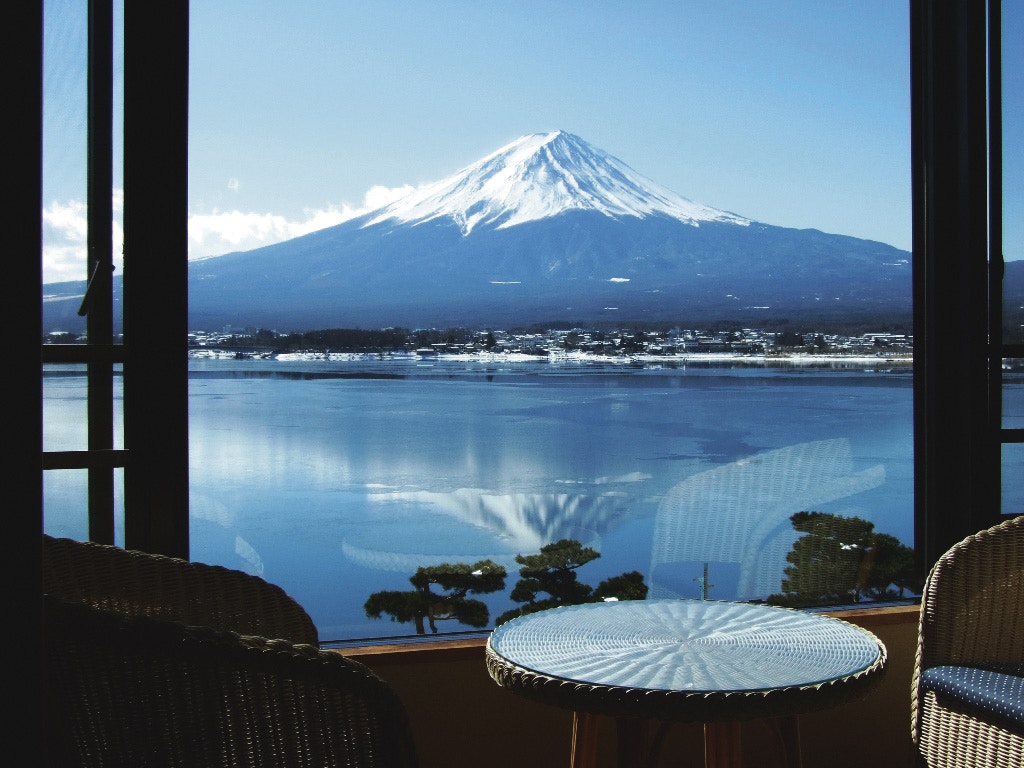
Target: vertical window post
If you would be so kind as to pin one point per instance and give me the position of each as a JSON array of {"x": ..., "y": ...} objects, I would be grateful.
[
  {"x": 99, "y": 303},
  {"x": 156, "y": 276},
  {"x": 956, "y": 466}
]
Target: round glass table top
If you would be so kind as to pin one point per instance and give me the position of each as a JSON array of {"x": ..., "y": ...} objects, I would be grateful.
[{"x": 686, "y": 645}]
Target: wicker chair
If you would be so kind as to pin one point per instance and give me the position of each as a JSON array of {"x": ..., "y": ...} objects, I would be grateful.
[
  {"x": 967, "y": 696},
  {"x": 152, "y": 660},
  {"x": 144, "y": 584},
  {"x": 136, "y": 691}
]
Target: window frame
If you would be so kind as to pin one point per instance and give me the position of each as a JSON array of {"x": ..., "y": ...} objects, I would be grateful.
[
  {"x": 155, "y": 282},
  {"x": 955, "y": 155}
]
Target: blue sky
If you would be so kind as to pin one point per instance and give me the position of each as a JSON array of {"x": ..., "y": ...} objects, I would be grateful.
[{"x": 790, "y": 112}]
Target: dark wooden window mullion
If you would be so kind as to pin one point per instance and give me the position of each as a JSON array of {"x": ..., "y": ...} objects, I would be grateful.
[
  {"x": 98, "y": 304},
  {"x": 107, "y": 460},
  {"x": 83, "y": 353},
  {"x": 155, "y": 378},
  {"x": 956, "y": 466},
  {"x": 996, "y": 265},
  {"x": 998, "y": 350}
]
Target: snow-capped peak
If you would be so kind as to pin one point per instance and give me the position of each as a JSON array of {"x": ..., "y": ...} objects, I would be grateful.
[{"x": 539, "y": 176}]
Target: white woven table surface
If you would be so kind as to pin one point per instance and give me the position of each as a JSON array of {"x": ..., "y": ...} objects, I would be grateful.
[{"x": 686, "y": 645}]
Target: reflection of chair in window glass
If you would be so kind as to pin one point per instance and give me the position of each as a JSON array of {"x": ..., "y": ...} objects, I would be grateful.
[{"x": 736, "y": 518}]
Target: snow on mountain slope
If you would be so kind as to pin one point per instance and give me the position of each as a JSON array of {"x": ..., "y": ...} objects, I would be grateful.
[{"x": 539, "y": 176}]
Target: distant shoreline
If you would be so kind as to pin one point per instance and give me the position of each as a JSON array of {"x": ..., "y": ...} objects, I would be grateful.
[{"x": 575, "y": 357}]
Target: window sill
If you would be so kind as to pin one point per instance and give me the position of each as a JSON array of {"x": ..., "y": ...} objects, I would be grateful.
[{"x": 436, "y": 651}]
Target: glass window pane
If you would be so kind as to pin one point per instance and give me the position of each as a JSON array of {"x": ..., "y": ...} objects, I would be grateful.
[
  {"x": 1013, "y": 479},
  {"x": 65, "y": 428},
  {"x": 1013, "y": 171},
  {"x": 65, "y": 167},
  {"x": 66, "y": 504},
  {"x": 64, "y": 262},
  {"x": 668, "y": 449},
  {"x": 65, "y": 406},
  {"x": 65, "y": 111},
  {"x": 1013, "y": 394}
]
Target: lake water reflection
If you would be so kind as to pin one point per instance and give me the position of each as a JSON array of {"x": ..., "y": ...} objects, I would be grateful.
[{"x": 338, "y": 479}]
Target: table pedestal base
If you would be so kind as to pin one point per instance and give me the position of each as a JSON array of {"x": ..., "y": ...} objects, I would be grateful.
[
  {"x": 723, "y": 743},
  {"x": 584, "y": 740}
]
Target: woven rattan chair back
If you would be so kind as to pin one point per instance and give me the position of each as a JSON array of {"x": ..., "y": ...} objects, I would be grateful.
[
  {"x": 138, "y": 583},
  {"x": 126, "y": 691}
]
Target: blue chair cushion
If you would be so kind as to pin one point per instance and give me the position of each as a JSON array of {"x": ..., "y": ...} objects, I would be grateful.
[{"x": 996, "y": 691}]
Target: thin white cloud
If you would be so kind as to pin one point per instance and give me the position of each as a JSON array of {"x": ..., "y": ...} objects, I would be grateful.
[
  {"x": 67, "y": 219},
  {"x": 234, "y": 184},
  {"x": 219, "y": 232},
  {"x": 63, "y": 263},
  {"x": 378, "y": 196},
  {"x": 65, "y": 235},
  {"x": 209, "y": 234},
  {"x": 233, "y": 229}
]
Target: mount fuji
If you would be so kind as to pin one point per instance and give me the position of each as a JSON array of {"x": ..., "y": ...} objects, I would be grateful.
[
  {"x": 549, "y": 229},
  {"x": 541, "y": 176}
]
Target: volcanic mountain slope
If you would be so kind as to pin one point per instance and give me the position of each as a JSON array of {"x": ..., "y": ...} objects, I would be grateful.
[{"x": 547, "y": 228}]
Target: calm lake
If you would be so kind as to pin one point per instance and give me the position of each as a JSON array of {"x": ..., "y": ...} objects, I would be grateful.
[{"x": 338, "y": 478}]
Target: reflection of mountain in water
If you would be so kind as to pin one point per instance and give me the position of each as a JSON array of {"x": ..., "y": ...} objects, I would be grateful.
[
  {"x": 514, "y": 523},
  {"x": 736, "y": 517},
  {"x": 407, "y": 562}
]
